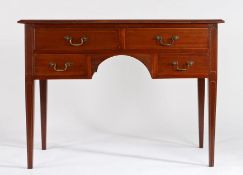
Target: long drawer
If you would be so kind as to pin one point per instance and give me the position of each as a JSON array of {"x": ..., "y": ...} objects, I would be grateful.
[
  {"x": 76, "y": 39},
  {"x": 167, "y": 38}
]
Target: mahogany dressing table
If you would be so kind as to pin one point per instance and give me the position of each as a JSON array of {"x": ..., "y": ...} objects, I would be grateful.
[{"x": 73, "y": 49}]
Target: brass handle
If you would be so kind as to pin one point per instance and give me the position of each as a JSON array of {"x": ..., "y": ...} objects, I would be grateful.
[
  {"x": 162, "y": 43},
  {"x": 188, "y": 64},
  {"x": 82, "y": 40},
  {"x": 66, "y": 65}
]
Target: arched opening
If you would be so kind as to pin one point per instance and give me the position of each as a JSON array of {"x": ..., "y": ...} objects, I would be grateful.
[
  {"x": 121, "y": 90},
  {"x": 136, "y": 60}
]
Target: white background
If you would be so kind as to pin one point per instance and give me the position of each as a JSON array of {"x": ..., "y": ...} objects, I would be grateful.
[{"x": 121, "y": 122}]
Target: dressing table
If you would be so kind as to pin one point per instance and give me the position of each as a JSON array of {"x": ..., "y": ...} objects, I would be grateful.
[{"x": 73, "y": 49}]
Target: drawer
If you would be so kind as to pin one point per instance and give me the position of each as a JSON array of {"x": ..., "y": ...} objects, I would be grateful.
[
  {"x": 167, "y": 38},
  {"x": 182, "y": 66},
  {"x": 75, "y": 39},
  {"x": 61, "y": 65}
]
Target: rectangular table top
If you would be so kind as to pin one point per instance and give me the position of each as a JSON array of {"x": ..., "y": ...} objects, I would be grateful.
[{"x": 123, "y": 21}]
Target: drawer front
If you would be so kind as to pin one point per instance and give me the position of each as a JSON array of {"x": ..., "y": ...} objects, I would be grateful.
[
  {"x": 167, "y": 38},
  {"x": 61, "y": 66},
  {"x": 75, "y": 39},
  {"x": 179, "y": 66}
]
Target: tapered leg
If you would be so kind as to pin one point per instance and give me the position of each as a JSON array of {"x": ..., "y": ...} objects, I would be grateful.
[
  {"x": 212, "y": 91},
  {"x": 201, "y": 101},
  {"x": 43, "y": 103},
  {"x": 29, "y": 92}
]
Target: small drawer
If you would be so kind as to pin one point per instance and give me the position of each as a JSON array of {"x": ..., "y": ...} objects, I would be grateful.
[
  {"x": 61, "y": 66},
  {"x": 167, "y": 38},
  {"x": 75, "y": 39},
  {"x": 182, "y": 66}
]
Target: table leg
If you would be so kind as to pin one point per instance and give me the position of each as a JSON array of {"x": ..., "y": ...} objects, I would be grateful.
[
  {"x": 43, "y": 106},
  {"x": 29, "y": 92},
  {"x": 212, "y": 92},
  {"x": 201, "y": 101}
]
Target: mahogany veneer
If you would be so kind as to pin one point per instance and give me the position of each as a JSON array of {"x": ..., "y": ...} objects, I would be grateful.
[{"x": 73, "y": 49}]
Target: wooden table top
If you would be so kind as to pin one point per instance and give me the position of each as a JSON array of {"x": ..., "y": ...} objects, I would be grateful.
[{"x": 124, "y": 21}]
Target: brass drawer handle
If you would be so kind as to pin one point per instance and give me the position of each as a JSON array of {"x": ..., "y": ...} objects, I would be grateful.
[
  {"x": 188, "y": 64},
  {"x": 66, "y": 66},
  {"x": 82, "y": 40},
  {"x": 162, "y": 43}
]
